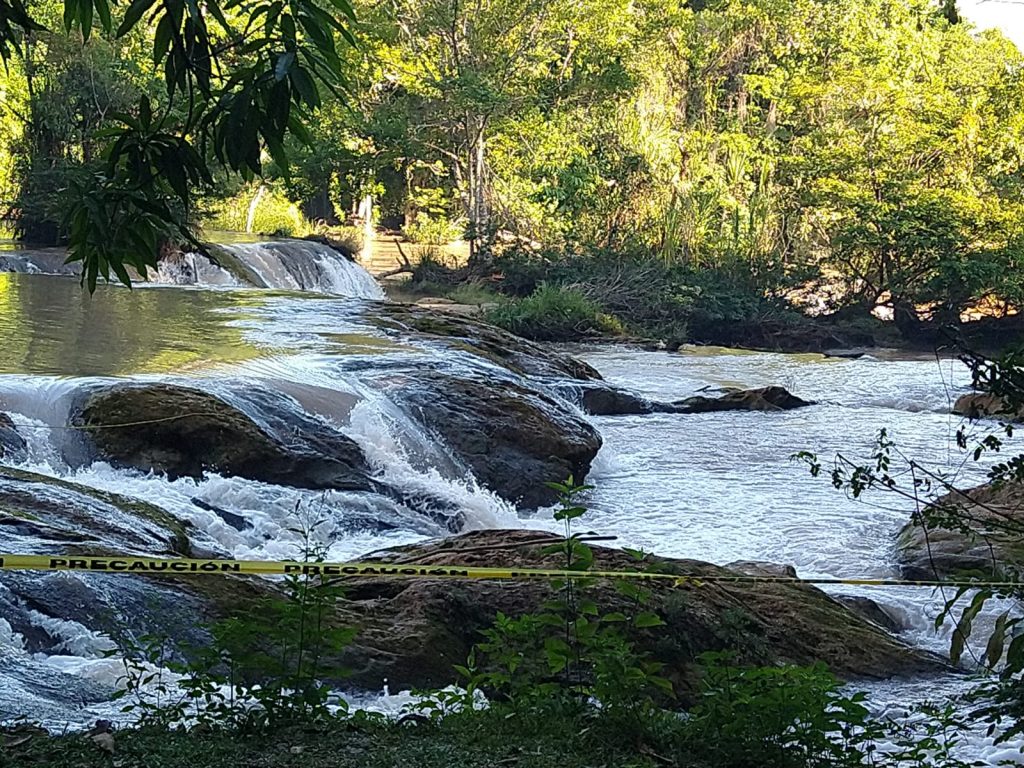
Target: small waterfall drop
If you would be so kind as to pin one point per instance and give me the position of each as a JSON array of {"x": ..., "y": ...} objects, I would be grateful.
[
  {"x": 193, "y": 269},
  {"x": 296, "y": 265},
  {"x": 304, "y": 265}
]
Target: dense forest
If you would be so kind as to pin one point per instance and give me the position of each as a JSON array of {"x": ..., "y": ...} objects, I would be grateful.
[{"x": 654, "y": 163}]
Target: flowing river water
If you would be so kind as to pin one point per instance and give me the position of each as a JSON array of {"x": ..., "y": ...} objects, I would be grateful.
[{"x": 719, "y": 487}]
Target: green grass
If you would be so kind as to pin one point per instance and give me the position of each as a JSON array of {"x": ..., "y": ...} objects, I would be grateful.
[
  {"x": 555, "y": 313},
  {"x": 475, "y": 294},
  {"x": 479, "y": 741}
]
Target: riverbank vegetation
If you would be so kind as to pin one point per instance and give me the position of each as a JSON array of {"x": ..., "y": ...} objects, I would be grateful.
[
  {"x": 565, "y": 685},
  {"x": 713, "y": 171}
]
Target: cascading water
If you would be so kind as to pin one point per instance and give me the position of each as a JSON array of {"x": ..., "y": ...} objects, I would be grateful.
[
  {"x": 46, "y": 261},
  {"x": 718, "y": 487},
  {"x": 301, "y": 265}
]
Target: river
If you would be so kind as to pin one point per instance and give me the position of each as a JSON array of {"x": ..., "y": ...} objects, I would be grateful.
[{"x": 719, "y": 487}]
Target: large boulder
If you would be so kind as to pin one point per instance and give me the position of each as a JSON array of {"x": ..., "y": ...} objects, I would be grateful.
[
  {"x": 762, "y": 399},
  {"x": 477, "y": 337},
  {"x": 513, "y": 438},
  {"x": 181, "y": 431},
  {"x": 600, "y": 399},
  {"x": 980, "y": 405},
  {"x": 413, "y": 631},
  {"x": 989, "y": 542}
]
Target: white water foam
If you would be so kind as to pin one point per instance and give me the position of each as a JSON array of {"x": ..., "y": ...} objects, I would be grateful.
[{"x": 306, "y": 266}]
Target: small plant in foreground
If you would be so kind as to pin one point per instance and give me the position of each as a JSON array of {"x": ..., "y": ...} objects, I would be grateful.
[
  {"x": 570, "y": 653},
  {"x": 263, "y": 667}
]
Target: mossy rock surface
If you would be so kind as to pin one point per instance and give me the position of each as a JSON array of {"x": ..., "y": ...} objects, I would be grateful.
[
  {"x": 990, "y": 544},
  {"x": 477, "y": 337},
  {"x": 414, "y": 630},
  {"x": 185, "y": 432}
]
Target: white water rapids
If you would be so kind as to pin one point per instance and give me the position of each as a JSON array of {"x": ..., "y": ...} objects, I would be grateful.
[{"x": 718, "y": 487}]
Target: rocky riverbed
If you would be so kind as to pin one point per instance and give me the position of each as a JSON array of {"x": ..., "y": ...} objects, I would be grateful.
[{"x": 242, "y": 417}]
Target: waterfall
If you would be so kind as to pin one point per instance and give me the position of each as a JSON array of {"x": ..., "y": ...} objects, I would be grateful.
[
  {"x": 300, "y": 265},
  {"x": 47, "y": 261},
  {"x": 193, "y": 269},
  {"x": 297, "y": 265}
]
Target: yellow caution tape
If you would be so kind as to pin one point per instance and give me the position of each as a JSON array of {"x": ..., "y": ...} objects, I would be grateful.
[{"x": 185, "y": 566}]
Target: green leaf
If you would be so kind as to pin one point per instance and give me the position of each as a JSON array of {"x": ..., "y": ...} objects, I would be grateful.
[
  {"x": 103, "y": 12},
  {"x": 964, "y": 626},
  {"x": 133, "y": 14},
  {"x": 162, "y": 38},
  {"x": 85, "y": 17},
  {"x": 70, "y": 14},
  {"x": 996, "y": 641},
  {"x": 648, "y": 619}
]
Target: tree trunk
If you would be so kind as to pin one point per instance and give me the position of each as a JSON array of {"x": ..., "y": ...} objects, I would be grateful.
[
  {"x": 479, "y": 213},
  {"x": 250, "y": 218},
  {"x": 366, "y": 216}
]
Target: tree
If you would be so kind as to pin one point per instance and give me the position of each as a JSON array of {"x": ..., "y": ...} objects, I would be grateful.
[
  {"x": 239, "y": 79},
  {"x": 458, "y": 71}
]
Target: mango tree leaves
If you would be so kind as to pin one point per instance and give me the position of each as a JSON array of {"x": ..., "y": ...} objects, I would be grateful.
[
  {"x": 14, "y": 22},
  {"x": 240, "y": 78}
]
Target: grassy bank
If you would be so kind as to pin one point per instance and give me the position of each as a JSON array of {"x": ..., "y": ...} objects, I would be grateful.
[
  {"x": 478, "y": 741},
  {"x": 565, "y": 297}
]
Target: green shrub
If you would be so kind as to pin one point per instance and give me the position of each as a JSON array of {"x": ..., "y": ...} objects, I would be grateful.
[
  {"x": 777, "y": 716},
  {"x": 275, "y": 215},
  {"x": 474, "y": 293},
  {"x": 345, "y": 238},
  {"x": 648, "y": 296},
  {"x": 428, "y": 230},
  {"x": 554, "y": 313}
]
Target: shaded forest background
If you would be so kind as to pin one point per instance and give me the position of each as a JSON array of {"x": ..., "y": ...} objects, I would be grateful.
[{"x": 662, "y": 165}]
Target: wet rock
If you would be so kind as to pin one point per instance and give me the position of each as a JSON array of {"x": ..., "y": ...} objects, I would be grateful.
[
  {"x": 477, "y": 337},
  {"x": 872, "y": 611},
  {"x": 762, "y": 399},
  {"x": 763, "y": 568},
  {"x": 513, "y": 438},
  {"x": 236, "y": 521},
  {"x": 980, "y": 405},
  {"x": 40, "y": 514},
  {"x": 854, "y": 353},
  {"x": 13, "y": 447},
  {"x": 985, "y": 548},
  {"x": 599, "y": 399},
  {"x": 414, "y": 630},
  {"x": 180, "y": 431},
  {"x": 44, "y": 514}
]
